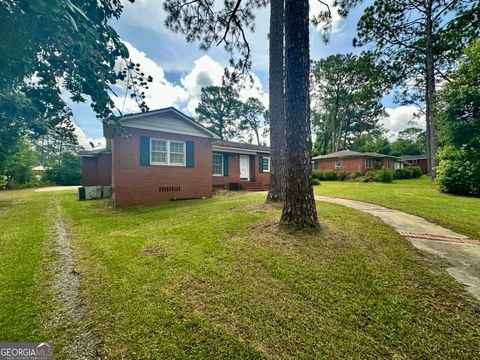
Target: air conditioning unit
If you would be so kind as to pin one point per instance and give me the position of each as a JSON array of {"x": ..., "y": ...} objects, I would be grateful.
[{"x": 94, "y": 192}]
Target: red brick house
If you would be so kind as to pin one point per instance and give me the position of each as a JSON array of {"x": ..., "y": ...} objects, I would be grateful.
[
  {"x": 416, "y": 160},
  {"x": 169, "y": 156},
  {"x": 351, "y": 161}
]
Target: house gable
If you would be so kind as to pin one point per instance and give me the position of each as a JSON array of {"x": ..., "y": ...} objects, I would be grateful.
[{"x": 167, "y": 120}]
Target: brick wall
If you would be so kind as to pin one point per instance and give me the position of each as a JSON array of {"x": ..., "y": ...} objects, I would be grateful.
[
  {"x": 349, "y": 165},
  {"x": 136, "y": 184},
  {"x": 354, "y": 164},
  {"x": 97, "y": 170}
]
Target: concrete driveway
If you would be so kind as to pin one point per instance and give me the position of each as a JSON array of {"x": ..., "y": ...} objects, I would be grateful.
[{"x": 459, "y": 250}]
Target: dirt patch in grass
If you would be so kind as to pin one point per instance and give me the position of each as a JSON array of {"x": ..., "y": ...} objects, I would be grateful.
[
  {"x": 157, "y": 251},
  {"x": 5, "y": 210},
  {"x": 256, "y": 208},
  {"x": 70, "y": 319}
]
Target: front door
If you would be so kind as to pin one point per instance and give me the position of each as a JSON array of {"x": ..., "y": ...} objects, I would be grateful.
[{"x": 245, "y": 167}]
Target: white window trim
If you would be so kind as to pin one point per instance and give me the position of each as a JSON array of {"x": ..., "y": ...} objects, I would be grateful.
[
  {"x": 337, "y": 166},
  {"x": 414, "y": 161},
  {"x": 268, "y": 161},
  {"x": 222, "y": 172},
  {"x": 168, "y": 163}
]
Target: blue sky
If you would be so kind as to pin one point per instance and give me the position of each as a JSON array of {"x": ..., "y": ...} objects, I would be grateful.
[{"x": 180, "y": 69}]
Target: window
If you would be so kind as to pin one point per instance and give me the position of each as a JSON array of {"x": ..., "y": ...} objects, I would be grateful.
[
  {"x": 338, "y": 164},
  {"x": 368, "y": 163},
  {"x": 217, "y": 165},
  {"x": 266, "y": 164},
  {"x": 167, "y": 152},
  {"x": 415, "y": 161},
  {"x": 378, "y": 162}
]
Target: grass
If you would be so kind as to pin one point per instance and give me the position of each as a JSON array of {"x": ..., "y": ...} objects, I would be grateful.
[
  {"x": 217, "y": 278},
  {"x": 23, "y": 240},
  {"x": 415, "y": 196}
]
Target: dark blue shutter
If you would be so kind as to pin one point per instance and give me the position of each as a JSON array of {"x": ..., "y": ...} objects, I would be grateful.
[
  {"x": 260, "y": 163},
  {"x": 225, "y": 164},
  {"x": 190, "y": 154},
  {"x": 144, "y": 150}
]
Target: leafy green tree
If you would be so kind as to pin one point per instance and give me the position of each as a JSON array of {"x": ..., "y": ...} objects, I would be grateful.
[
  {"x": 459, "y": 121},
  {"x": 220, "y": 110},
  {"x": 346, "y": 98},
  {"x": 420, "y": 40},
  {"x": 372, "y": 143},
  {"x": 68, "y": 171},
  {"x": 18, "y": 167},
  {"x": 49, "y": 46},
  {"x": 252, "y": 118},
  {"x": 410, "y": 141}
]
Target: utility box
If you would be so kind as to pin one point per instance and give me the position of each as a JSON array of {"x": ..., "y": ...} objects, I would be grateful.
[{"x": 94, "y": 192}]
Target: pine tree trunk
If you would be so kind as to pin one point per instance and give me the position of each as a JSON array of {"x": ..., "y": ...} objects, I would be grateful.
[
  {"x": 299, "y": 211},
  {"x": 430, "y": 112},
  {"x": 276, "y": 191}
]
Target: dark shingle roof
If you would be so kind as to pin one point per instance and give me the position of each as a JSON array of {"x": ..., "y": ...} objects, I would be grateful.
[
  {"x": 239, "y": 145},
  {"x": 413, "y": 157},
  {"x": 351, "y": 154}
]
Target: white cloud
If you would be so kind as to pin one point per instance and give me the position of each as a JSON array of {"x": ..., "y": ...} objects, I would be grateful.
[
  {"x": 160, "y": 93},
  {"x": 85, "y": 141},
  {"x": 208, "y": 72},
  {"x": 402, "y": 117},
  {"x": 205, "y": 72}
]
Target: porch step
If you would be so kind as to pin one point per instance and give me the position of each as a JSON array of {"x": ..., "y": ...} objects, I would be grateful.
[{"x": 253, "y": 186}]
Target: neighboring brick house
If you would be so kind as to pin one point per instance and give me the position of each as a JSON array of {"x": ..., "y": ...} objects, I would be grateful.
[
  {"x": 416, "y": 160},
  {"x": 351, "y": 161},
  {"x": 168, "y": 155}
]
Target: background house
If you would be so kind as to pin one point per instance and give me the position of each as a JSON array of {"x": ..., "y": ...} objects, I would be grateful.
[
  {"x": 416, "y": 160},
  {"x": 352, "y": 161}
]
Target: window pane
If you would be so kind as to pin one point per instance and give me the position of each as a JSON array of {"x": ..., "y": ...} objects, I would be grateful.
[
  {"x": 159, "y": 151},
  {"x": 176, "y": 158},
  {"x": 159, "y": 157},
  {"x": 176, "y": 147},
  {"x": 266, "y": 164},
  {"x": 217, "y": 164}
]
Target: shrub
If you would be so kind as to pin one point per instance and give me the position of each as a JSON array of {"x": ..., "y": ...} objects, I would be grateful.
[
  {"x": 317, "y": 174},
  {"x": 67, "y": 172},
  {"x": 458, "y": 171},
  {"x": 405, "y": 173},
  {"x": 3, "y": 182},
  {"x": 384, "y": 175},
  {"x": 315, "y": 182},
  {"x": 342, "y": 175},
  {"x": 329, "y": 175},
  {"x": 416, "y": 171}
]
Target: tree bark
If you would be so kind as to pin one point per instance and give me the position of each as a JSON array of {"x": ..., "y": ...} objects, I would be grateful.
[
  {"x": 430, "y": 112},
  {"x": 299, "y": 211},
  {"x": 276, "y": 191}
]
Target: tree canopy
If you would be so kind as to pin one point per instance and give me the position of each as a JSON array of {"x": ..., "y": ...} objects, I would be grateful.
[
  {"x": 51, "y": 49},
  {"x": 346, "y": 100},
  {"x": 420, "y": 40}
]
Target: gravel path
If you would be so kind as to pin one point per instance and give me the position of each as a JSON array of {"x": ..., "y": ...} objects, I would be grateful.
[
  {"x": 459, "y": 250},
  {"x": 82, "y": 341}
]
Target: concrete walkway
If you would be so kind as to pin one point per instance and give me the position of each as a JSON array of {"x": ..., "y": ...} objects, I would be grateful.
[{"x": 460, "y": 251}]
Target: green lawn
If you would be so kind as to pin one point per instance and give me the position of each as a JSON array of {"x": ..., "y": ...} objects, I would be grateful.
[
  {"x": 217, "y": 278},
  {"x": 415, "y": 196}
]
